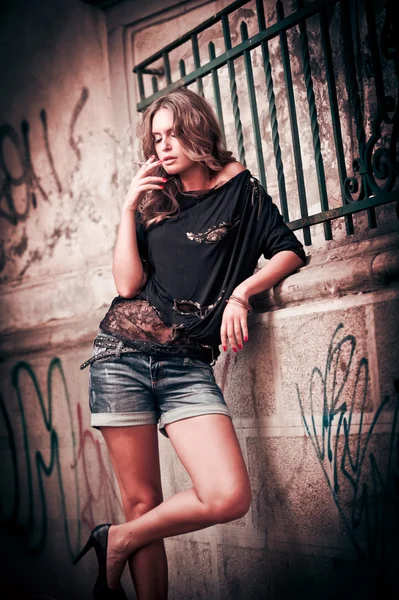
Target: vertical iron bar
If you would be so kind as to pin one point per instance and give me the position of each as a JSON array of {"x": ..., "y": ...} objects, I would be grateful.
[
  {"x": 293, "y": 123},
  {"x": 354, "y": 99},
  {"x": 197, "y": 63},
  {"x": 314, "y": 123},
  {"x": 166, "y": 65},
  {"x": 233, "y": 91},
  {"x": 254, "y": 108},
  {"x": 273, "y": 113},
  {"x": 141, "y": 84},
  {"x": 154, "y": 81},
  {"x": 336, "y": 123},
  {"x": 216, "y": 88},
  {"x": 182, "y": 68},
  {"x": 375, "y": 55}
]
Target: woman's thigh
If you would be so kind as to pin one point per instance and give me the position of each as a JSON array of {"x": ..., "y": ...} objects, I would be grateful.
[
  {"x": 120, "y": 392},
  {"x": 186, "y": 388},
  {"x": 208, "y": 448},
  {"x": 134, "y": 454}
]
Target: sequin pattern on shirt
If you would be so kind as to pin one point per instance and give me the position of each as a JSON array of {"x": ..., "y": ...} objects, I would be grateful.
[{"x": 213, "y": 234}]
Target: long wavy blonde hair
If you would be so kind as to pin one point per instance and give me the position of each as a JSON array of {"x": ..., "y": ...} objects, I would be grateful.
[{"x": 198, "y": 131}]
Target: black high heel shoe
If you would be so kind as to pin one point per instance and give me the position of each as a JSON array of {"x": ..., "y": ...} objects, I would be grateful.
[{"x": 99, "y": 541}]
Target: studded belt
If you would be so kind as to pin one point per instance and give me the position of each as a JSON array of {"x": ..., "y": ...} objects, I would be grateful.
[{"x": 108, "y": 346}]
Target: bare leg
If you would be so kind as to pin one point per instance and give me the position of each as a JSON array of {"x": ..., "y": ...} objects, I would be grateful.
[
  {"x": 135, "y": 458},
  {"x": 209, "y": 450}
]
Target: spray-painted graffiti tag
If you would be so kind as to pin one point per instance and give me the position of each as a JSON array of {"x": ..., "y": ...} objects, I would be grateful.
[
  {"x": 27, "y": 175},
  {"x": 21, "y": 188},
  {"x": 30, "y": 471},
  {"x": 361, "y": 479},
  {"x": 47, "y": 464}
]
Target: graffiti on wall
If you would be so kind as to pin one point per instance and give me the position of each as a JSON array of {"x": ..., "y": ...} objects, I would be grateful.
[
  {"x": 23, "y": 175},
  {"x": 362, "y": 475},
  {"x": 42, "y": 469}
]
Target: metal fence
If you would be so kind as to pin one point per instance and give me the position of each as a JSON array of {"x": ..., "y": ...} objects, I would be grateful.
[{"x": 375, "y": 166}]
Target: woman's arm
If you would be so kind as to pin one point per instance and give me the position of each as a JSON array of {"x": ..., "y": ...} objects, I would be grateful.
[
  {"x": 234, "y": 327},
  {"x": 279, "y": 266},
  {"x": 128, "y": 272}
]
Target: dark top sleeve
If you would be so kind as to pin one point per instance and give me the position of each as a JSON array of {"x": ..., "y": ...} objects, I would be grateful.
[{"x": 276, "y": 236}]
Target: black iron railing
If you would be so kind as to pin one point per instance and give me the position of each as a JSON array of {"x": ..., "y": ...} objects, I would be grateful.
[{"x": 375, "y": 165}]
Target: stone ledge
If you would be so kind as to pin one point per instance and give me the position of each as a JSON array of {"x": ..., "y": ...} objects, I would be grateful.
[
  {"x": 366, "y": 266},
  {"x": 61, "y": 334}
]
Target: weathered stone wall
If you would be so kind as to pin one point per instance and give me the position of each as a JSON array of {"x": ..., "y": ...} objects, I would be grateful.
[
  {"x": 59, "y": 209},
  {"x": 314, "y": 395}
]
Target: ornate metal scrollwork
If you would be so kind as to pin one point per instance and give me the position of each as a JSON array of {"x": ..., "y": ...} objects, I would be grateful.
[{"x": 377, "y": 165}]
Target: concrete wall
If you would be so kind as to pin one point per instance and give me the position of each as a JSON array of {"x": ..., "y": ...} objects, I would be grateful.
[
  {"x": 314, "y": 396},
  {"x": 59, "y": 208}
]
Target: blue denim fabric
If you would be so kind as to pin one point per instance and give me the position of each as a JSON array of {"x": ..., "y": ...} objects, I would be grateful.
[{"x": 140, "y": 389}]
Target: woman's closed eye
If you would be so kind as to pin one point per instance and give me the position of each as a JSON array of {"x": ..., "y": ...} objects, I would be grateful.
[{"x": 157, "y": 140}]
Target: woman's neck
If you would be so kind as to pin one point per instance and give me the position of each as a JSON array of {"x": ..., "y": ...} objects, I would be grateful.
[{"x": 195, "y": 178}]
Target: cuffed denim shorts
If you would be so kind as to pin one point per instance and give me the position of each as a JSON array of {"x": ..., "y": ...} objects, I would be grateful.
[{"x": 141, "y": 389}]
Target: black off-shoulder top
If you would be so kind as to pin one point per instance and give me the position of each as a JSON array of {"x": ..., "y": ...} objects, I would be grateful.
[{"x": 196, "y": 259}]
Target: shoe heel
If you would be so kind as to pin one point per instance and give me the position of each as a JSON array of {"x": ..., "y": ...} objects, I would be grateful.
[{"x": 84, "y": 551}]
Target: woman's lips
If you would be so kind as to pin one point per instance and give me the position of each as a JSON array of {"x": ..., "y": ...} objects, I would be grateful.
[{"x": 168, "y": 161}]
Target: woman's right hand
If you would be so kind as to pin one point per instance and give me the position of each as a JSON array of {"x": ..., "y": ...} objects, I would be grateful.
[{"x": 142, "y": 182}]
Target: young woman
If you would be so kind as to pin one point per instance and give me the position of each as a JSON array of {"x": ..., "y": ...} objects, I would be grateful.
[{"x": 194, "y": 224}]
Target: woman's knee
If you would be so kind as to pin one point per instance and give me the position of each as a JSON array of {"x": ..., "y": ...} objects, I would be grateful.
[
  {"x": 229, "y": 505},
  {"x": 139, "y": 503}
]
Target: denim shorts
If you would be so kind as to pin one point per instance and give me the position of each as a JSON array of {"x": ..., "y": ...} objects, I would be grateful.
[{"x": 141, "y": 389}]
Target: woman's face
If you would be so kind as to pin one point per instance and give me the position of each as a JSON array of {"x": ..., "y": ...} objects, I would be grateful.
[{"x": 167, "y": 146}]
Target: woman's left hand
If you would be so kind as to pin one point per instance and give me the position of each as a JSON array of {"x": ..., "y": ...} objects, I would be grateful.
[{"x": 234, "y": 327}]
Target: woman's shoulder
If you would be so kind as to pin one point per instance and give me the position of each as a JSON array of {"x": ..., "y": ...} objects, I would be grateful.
[{"x": 228, "y": 172}]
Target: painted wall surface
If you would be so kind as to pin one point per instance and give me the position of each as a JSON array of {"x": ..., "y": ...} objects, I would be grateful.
[
  {"x": 59, "y": 208},
  {"x": 59, "y": 196},
  {"x": 314, "y": 396}
]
